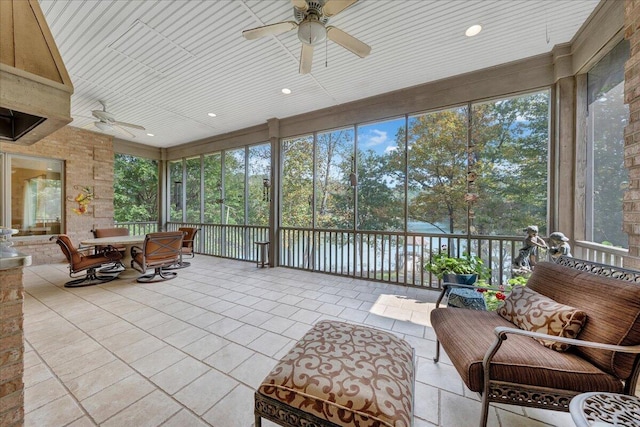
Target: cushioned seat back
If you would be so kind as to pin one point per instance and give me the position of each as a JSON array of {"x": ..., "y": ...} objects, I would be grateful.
[
  {"x": 110, "y": 232},
  {"x": 189, "y": 236},
  {"x": 612, "y": 307},
  {"x": 163, "y": 248},
  {"x": 69, "y": 251}
]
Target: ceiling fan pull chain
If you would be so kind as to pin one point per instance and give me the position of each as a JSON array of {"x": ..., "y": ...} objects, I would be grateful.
[{"x": 326, "y": 53}]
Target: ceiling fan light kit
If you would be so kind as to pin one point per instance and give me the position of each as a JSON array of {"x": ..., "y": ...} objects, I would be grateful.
[{"x": 311, "y": 18}]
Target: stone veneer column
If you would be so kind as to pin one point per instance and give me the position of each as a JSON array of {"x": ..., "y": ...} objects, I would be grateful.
[
  {"x": 631, "y": 203},
  {"x": 11, "y": 348}
]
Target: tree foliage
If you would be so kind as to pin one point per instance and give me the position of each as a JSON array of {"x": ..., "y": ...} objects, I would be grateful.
[{"x": 135, "y": 189}]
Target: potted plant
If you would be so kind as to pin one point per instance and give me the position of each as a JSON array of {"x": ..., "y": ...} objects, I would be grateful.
[{"x": 466, "y": 269}]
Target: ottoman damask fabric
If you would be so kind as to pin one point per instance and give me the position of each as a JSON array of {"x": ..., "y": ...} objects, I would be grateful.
[{"x": 344, "y": 374}]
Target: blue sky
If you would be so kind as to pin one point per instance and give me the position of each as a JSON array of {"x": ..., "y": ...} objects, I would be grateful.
[{"x": 379, "y": 137}]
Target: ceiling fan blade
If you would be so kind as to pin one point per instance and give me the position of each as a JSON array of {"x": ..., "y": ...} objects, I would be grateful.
[
  {"x": 129, "y": 125},
  {"x": 334, "y": 7},
  {"x": 301, "y": 5},
  {"x": 269, "y": 30},
  {"x": 122, "y": 130},
  {"x": 306, "y": 58},
  {"x": 348, "y": 42}
]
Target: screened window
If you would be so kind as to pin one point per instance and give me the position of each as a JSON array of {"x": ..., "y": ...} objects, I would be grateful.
[
  {"x": 297, "y": 182},
  {"x": 135, "y": 189},
  {"x": 607, "y": 178},
  {"x": 176, "y": 191},
  {"x": 335, "y": 179},
  {"x": 380, "y": 175},
  {"x": 259, "y": 182}
]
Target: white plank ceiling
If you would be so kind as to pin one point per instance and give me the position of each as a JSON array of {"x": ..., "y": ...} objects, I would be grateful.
[{"x": 166, "y": 64}]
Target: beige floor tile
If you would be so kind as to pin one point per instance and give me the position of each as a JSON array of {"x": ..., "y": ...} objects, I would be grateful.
[
  {"x": 458, "y": 411},
  {"x": 35, "y": 374},
  {"x": 92, "y": 382},
  {"x": 82, "y": 422},
  {"x": 224, "y": 326},
  {"x": 150, "y": 411},
  {"x": 184, "y": 419},
  {"x": 228, "y": 357},
  {"x": 426, "y": 400},
  {"x": 179, "y": 374},
  {"x": 244, "y": 334},
  {"x": 57, "y": 413},
  {"x": 253, "y": 370},
  {"x": 206, "y": 391},
  {"x": 90, "y": 361},
  {"x": 185, "y": 337},
  {"x": 40, "y": 394},
  {"x": 257, "y": 318},
  {"x": 110, "y": 330},
  {"x": 205, "y": 346},
  {"x": 72, "y": 352},
  {"x": 353, "y": 315},
  {"x": 277, "y": 324},
  {"x": 116, "y": 397},
  {"x": 168, "y": 328},
  {"x": 234, "y": 410},
  {"x": 270, "y": 344},
  {"x": 439, "y": 375},
  {"x": 158, "y": 361},
  {"x": 139, "y": 349}
]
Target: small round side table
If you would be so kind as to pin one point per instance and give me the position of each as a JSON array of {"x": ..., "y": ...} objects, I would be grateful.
[{"x": 605, "y": 409}]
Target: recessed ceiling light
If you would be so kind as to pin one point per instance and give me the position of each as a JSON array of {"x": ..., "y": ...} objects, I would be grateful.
[
  {"x": 473, "y": 30},
  {"x": 286, "y": 91},
  {"x": 211, "y": 114},
  {"x": 150, "y": 134}
]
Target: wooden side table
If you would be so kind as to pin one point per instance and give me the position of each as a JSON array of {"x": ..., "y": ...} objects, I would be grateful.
[{"x": 605, "y": 409}]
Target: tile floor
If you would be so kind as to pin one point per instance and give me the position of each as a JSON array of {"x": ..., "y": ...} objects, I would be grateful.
[{"x": 191, "y": 351}]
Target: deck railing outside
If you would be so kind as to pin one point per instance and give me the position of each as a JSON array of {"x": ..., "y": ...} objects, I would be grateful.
[
  {"x": 139, "y": 228},
  {"x": 392, "y": 257}
]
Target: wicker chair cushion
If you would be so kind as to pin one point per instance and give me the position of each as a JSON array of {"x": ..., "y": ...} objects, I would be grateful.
[
  {"x": 467, "y": 337},
  {"x": 531, "y": 311},
  {"x": 348, "y": 375}
]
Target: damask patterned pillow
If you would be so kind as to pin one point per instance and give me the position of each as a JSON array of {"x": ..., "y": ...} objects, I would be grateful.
[{"x": 534, "y": 312}]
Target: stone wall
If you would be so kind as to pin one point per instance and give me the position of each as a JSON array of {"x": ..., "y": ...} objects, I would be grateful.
[
  {"x": 11, "y": 348},
  {"x": 631, "y": 204},
  {"x": 89, "y": 159}
]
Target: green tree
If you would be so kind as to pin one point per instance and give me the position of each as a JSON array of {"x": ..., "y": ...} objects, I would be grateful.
[{"x": 135, "y": 189}]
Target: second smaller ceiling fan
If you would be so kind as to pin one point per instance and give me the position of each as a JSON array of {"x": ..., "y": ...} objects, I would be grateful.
[{"x": 311, "y": 17}]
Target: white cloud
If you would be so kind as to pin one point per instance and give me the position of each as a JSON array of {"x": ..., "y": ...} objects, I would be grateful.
[
  {"x": 390, "y": 148},
  {"x": 376, "y": 137}
]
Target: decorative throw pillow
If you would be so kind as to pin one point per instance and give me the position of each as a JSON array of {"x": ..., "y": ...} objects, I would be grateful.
[{"x": 534, "y": 312}]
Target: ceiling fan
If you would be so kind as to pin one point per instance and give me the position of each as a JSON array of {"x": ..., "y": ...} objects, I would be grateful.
[
  {"x": 311, "y": 17},
  {"x": 107, "y": 122}
]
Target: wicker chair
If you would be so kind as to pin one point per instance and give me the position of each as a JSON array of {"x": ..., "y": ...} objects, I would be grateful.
[
  {"x": 81, "y": 260},
  {"x": 159, "y": 251},
  {"x": 187, "y": 249}
]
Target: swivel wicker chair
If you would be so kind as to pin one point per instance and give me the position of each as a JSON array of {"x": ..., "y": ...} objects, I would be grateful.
[{"x": 81, "y": 260}]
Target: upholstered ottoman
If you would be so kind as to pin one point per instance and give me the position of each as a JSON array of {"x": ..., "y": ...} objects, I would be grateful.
[{"x": 340, "y": 374}]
